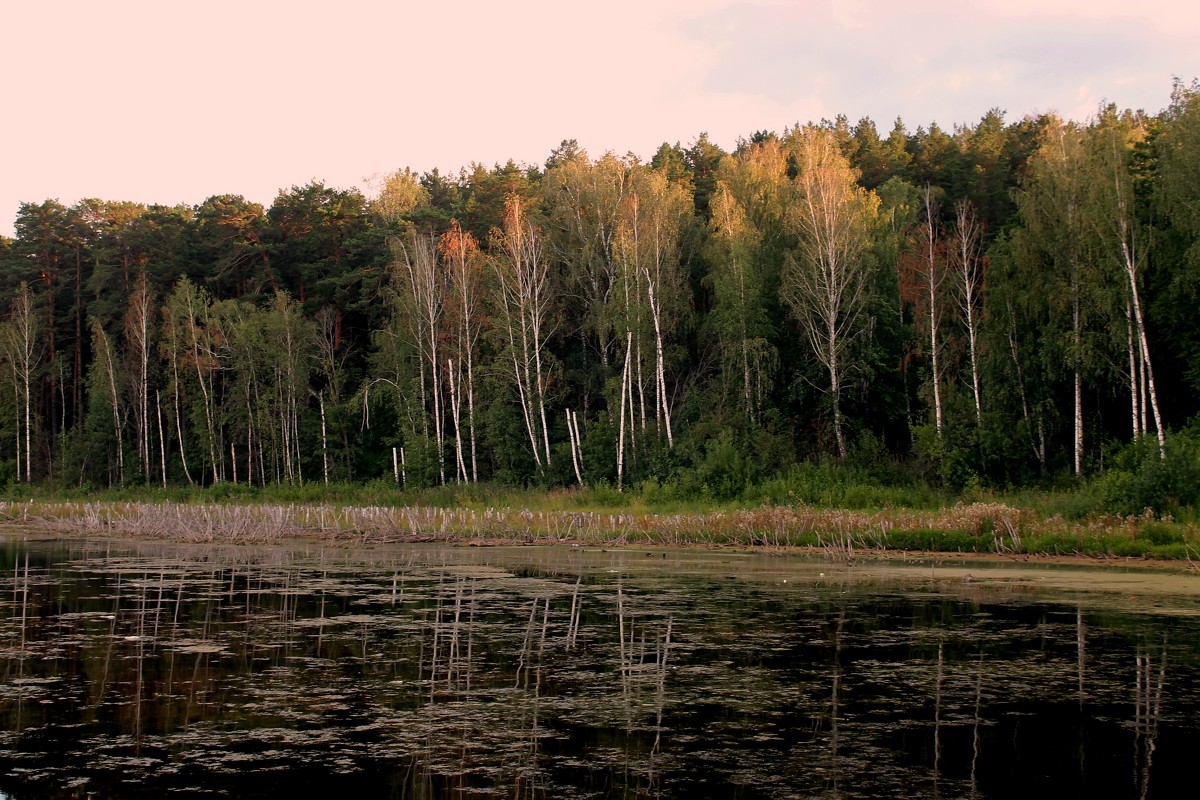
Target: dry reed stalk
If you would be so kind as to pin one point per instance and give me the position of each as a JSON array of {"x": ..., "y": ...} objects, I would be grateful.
[{"x": 836, "y": 531}]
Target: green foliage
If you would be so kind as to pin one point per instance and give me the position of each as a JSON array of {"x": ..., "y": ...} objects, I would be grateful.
[
  {"x": 934, "y": 540},
  {"x": 828, "y": 484},
  {"x": 1160, "y": 533},
  {"x": 1138, "y": 478}
]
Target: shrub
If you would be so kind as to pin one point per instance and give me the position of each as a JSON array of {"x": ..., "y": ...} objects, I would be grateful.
[
  {"x": 1160, "y": 533},
  {"x": 1141, "y": 478}
]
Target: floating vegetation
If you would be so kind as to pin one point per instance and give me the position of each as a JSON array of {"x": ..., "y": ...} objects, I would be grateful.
[{"x": 422, "y": 671}]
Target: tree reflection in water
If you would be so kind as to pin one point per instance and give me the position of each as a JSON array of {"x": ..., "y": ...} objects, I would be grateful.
[{"x": 130, "y": 671}]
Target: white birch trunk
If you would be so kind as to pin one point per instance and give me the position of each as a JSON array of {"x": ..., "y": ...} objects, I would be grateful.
[
  {"x": 178, "y": 415},
  {"x": 324, "y": 447},
  {"x": 659, "y": 369},
  {"x": 969, "y": 235},
  {"x": 114, "y": 399},
  {"x": 932, "y": 281},
  {"x": 456, "y": 414},
  {"x": 1078, "y": 389},
  {"x": 1134, "y": 374},
  {"x": 162, "y": 440},
  {"x": 621, "y": 430},
  {"x": 573, "y": 436}
]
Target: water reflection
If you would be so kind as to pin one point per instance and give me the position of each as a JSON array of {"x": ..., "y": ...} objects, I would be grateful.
[{"x": 423, "y": 672}]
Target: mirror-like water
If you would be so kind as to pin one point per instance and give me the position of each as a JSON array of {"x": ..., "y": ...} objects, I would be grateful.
[{"x": 142, "y": 670}]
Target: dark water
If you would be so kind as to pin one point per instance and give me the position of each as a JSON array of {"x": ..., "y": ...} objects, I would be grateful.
[{"x": 169, "y": 671}]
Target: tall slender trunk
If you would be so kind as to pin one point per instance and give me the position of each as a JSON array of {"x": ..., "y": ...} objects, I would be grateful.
[
  {"x": 162, "y": 440},
  {"x": 115, "y": 400},
  {"x": 1134, "y": 374},
  {"x": 641, "y": 385},
  {"x": 621, "y": 430},
  {"x": 526, "y": 411},
  {"x": 1077, "y": 337},
  {"x": 324, "y": 448},
  {"x": 178, "y": 416},
  {"x": 932, "y": 281},
  {"x": 295, "y": 406},
  {"x": 249, "y": 436},
  {"x": 77, "y": 392},
  {"x": 541, "y": 394},
  {"x": 16, "y": 382},
  {"x": 1143, "y": 342},
  {"x": 435, "y": 380},
  {"x": 835, "y": 391},
  {"x": 1130, "y": 262},
  {"x": 659, "y": 368},
  {"x": 573, "y": 435},
  {"x": 208, "y": 413},
  {"x": 456, "y": 416},
  {"x": 285, "y": 428},
  {"x": 524, "y": 303},
  {"x": 137, "y": 330},
  {"x": 27, "y": 369},
  {"x": 471, "y": 415}
]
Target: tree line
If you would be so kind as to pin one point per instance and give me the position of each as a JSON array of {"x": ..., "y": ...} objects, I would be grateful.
[{"x": 1001, "y": 304}]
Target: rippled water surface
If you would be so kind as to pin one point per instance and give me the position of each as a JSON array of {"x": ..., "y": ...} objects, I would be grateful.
[{"x": 150, "y": 670}]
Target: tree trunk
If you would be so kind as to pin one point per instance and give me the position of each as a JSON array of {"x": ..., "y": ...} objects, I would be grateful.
[
  {"x": 324, "y": 448},
  {"x": 835, "y": 391},
  {"x": 162, "y": 441},
  {"x": 659, "y": 369},
  {"x": 625, "y": 372},
  {"x": 1134, "y": 374},
  {"x": 932, "y": 281},
  {"x": 1078, "y": 423},
  {"x": 571, "y": 434},
  {"x": 178, "y": 416},
  {"x": 456, "y": 416},
  {"x": 114, "y": 399}
]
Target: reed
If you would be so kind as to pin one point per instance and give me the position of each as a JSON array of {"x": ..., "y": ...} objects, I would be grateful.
[{"x": 972, "y": 527}]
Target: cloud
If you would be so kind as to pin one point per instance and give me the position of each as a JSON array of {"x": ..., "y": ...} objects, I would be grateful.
[{"x": 930, "y": 61}]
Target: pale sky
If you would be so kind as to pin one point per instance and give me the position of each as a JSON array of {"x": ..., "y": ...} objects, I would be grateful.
[{"x": 164, "y": 101}]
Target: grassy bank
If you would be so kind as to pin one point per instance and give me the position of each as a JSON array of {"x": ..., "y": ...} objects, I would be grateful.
[{"x": 493, "y": 515}]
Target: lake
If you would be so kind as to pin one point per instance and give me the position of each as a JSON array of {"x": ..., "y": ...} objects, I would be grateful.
[{"x": 148, "y": 669}]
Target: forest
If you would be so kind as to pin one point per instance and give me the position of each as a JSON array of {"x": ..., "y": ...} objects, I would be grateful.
[{"x": 1001, "y": 305}]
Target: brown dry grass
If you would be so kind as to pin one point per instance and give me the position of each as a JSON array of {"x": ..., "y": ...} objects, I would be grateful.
[{"x": 998, "y": 527}]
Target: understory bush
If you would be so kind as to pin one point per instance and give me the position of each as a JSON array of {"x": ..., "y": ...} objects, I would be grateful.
[{"x": 1141, "y": 477}]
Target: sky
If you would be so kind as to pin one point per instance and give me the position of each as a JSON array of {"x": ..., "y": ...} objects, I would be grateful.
[{"x": 167, "y": 101}]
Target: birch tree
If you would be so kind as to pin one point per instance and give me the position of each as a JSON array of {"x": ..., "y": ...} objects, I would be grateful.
[
  {"x": 827, "y": 280},
  {"x": 738, "y": 317},
  {"x": 653, "y": 216},
  {"x": 932, "y": 274},
  {"x": 22, "y": 351},
  {"x": 523, "y": 309},
  {"x": 1052, "y": 211},
  {"x": 192, "y": 353},
  {"x": 1113, "y": 137},
  {"x": 291, "y": 340},
  {"x": 464, "y": 267},
  {"x": 105, "y": 384},
  {"x": 422, "y": 286},
  {"x": 138, "y": 316},
  {"x": 585, "y": 209},
  {"x": 745, "y": 225},
  {"x": 966, "y": 256}
]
